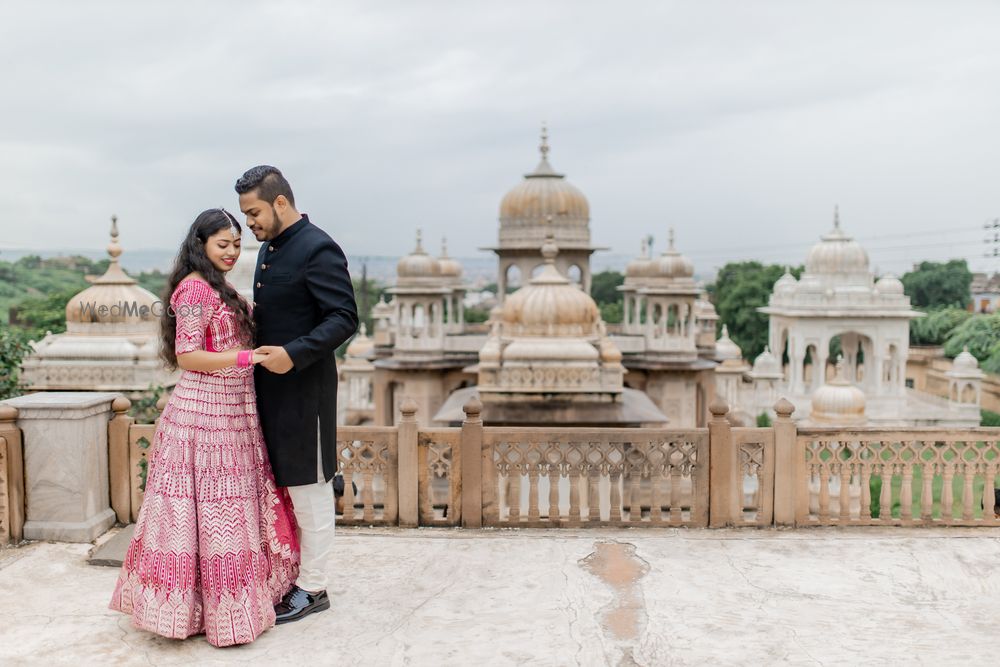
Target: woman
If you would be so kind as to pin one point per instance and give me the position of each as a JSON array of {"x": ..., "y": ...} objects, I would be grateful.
[{"x": 214, "y": 546}]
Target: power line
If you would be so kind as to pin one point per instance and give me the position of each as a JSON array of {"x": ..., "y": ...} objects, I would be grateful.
[{"x": 813, "y": 241}]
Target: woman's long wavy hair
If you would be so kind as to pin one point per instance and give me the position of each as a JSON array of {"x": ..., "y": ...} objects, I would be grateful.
[{"x": 192, "y": 259}]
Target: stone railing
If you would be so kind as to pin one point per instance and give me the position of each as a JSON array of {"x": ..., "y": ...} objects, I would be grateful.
[
  {"x": 130, "y": 448},
  {"x": 884, "y": 476},
  {"x": 550, "y": 477},
  {"x": 369, "y": 461},
  {"x": 477, "y": 475},
  {"x": 11, "y": 477}
]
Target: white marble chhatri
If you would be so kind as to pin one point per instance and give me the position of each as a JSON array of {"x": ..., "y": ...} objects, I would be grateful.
[{"x": 65, "y": 464}]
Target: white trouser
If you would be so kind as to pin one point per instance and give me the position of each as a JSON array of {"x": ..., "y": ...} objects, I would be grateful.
[{"x": 315, "y": 513}]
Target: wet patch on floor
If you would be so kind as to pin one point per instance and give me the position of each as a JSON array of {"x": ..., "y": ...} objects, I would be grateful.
[{"x": 618, "y": 566}]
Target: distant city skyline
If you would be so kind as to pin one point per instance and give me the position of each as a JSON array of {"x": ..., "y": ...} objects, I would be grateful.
[{"x": 740, "y": 125}]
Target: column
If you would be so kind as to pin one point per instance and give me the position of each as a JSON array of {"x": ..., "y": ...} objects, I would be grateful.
[{"x": 66, "y": 479}]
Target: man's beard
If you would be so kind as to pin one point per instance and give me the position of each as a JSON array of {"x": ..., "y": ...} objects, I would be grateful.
[{"x": 271, "y": 230}]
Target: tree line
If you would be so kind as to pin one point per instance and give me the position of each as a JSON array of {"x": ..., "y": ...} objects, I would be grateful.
[{"x": 34, "y": 293}]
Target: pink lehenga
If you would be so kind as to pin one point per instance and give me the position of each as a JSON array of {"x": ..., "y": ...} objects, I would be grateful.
[{"x": 214, "y": 546}]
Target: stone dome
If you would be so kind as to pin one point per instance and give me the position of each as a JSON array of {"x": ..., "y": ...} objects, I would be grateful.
[
  {"x": 767, "y": 364},
  {"x": 450, "y": 268},
  {"x": 837, "y": 253},
  {"x": 111, "y": 342},
  {"x": 672, "y": 264},
  {"x": 786, "y": 283},
  {"x": 705, "y": 309},
  {"x": 382, "y": 309},
  {"x": 725, "y": 348},
  {"x": 549, "y": 305},
  {"x": 418, "y": 264},
  {"x": 544, "y": 192},
  {"x": 889, "y": 284},
  {"x": 641, "y": 266},
  {"x": 838, "y": 401},
  {"x": 113, "y": 299},
  {"x": 361, "y": 346},
  {"x": 965, "y": 362},
  {"x": 542, "y": 200}
]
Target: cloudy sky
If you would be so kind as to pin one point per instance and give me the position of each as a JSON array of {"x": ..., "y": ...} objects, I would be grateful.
[{"x": 741, "y": 124}]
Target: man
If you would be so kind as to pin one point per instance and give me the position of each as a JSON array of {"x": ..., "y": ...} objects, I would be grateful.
[{"x": 304, "y": 309}]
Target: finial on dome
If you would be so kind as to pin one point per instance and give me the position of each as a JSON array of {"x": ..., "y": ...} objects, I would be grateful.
[
  {"x": 543, "y": 148},
  {"x": 670, "y": 239},
  {"x": 114, "y": 249},
  {"x": 644, "y": 252},
  {"x": 836, "y": 216},
  {"x": 549, "y": 248},
  {"x": 725, "y": 331},
  {"x": 363, "y": 330},
  {"x": 420, "y": 247},
  {"x": 444, "y": 246}
]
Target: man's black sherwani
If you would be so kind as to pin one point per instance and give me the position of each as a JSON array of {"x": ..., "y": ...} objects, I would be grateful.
[{"x": 304, "y": 302}]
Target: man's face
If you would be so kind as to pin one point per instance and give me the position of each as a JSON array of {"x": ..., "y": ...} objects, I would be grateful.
[{"x": 262, "y": 219}]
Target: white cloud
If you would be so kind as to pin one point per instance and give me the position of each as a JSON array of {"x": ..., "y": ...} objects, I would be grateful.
[{"x": 740, "y": 124}]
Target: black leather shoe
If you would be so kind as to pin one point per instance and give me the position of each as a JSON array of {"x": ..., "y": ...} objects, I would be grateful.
[{"x": 298, "y": 603}]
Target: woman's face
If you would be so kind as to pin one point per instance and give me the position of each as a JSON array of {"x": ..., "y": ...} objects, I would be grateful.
[{"x": 223, "y": 249}]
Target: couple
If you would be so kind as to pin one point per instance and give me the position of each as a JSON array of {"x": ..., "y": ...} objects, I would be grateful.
[{"x": 237, "y": 523}]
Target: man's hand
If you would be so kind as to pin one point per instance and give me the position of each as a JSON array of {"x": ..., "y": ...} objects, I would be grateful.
[{"x": 276, "y": 359}]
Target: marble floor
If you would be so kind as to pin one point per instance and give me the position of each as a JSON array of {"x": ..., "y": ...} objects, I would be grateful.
[{"x": 536, "y": 597}]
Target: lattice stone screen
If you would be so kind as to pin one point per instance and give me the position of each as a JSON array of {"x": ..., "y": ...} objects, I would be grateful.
[
  {"x": 574, "y": 477},
  {"x": 368, "y": 458},
  {"x": 439, "y": 482},
  {"x": 886, "y": 477},
  {"x": 755, "y": 475}
]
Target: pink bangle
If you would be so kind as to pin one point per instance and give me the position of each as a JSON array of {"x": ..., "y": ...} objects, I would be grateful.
[{"x": 243, "y": 358}]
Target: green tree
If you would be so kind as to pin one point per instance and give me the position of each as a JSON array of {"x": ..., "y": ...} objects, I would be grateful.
[
  {"x": 13, "y": 347},
  {"x": 38, "y": 314},
  {"x": 981, "y": 334},
  {"x": 476, "y": 315},
  {"x": 935, "y": 327},
  {"x": 740, "y": 288},
  {"x": 155, "y": 281},
  {"x": 937, "y": 284},
  {"x": 367, "y": 297},
  {"x": 143, "y": 408},
  {"x": 604, "y": 288},
  {"x": 611, "y": 313}
]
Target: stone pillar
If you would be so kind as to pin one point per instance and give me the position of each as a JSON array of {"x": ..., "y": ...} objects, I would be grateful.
[
  {"x": 822, "y": 354},
  {"x": 724, "y": 492},
  {"x": 472, "y": 464},
  {"x": 408, "y": 461},
  {"x": 12, "y": 495},
  {"x": 786, "y": 480},
  {"x": 66, "y": 464},
  {"x": 797, "y": 383},
  {"x": 119, "y": 469}
]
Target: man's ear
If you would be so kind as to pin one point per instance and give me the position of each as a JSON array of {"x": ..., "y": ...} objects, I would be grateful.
[{"x": 281, "y": 202}]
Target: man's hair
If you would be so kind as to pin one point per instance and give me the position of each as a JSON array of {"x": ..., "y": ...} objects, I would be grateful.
[{"x": 267, "y": 181}]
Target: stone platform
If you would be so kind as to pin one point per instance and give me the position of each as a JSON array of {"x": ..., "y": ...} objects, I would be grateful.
[{"x": 548, "y": 597}]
